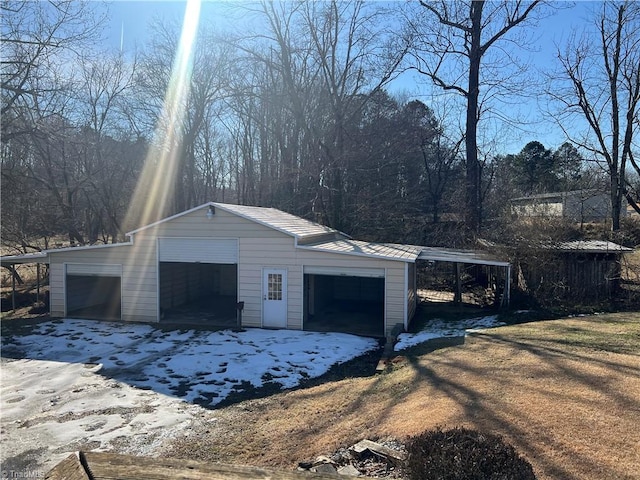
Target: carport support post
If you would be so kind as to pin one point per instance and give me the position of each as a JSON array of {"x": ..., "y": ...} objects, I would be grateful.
[
  {"x": 506, "y": 295},
  {"x": 13, "y": 287},
  {"x": 458, "y": 295},
  {"x": 37, "y": 283}
]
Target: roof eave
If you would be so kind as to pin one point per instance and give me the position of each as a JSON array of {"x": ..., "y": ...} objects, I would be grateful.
[
  {"x": 172, "y": 217},
  {"x": 43, "y": 257},
  {"x": 88, "y": 247},
  {"x": 40, "y": 257},
  {"x": 472, "y": 260}
]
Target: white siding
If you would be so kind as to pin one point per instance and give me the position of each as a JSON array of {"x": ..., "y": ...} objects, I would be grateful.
[
  {"x": 56, "y": 289},
  {"x": 395, "y": 297},
  {"x": 395, "y": 293},
  {"x": 222, "y": 225},
  {"x": 261, "y": 247},
  {"x": 257, "y": 253}
]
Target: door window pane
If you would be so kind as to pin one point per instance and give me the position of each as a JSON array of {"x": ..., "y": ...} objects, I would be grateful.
[{"x": 274, "y": 286}]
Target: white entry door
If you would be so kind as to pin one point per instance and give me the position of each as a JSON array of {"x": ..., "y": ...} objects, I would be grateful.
[{"x": 274, "y": 298}]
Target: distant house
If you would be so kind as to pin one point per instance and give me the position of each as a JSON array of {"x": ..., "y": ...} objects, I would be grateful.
[
  {"x": 578, "y": 206},
  {"x": 585, "y": 270}
]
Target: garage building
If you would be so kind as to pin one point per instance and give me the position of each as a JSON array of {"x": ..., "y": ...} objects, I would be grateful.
[{"x": 287, "y": 271}]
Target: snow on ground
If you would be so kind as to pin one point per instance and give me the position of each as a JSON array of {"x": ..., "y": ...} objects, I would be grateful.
[
  {"x": 198, "y": 366},
  {"x": 437, "y": 328},
  {"x": 75, "y": 384}
]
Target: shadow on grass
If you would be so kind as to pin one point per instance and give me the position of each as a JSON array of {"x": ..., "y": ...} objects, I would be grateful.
[
  {"x": 556, "y": 404},
  {"x": 559, "y": 369}
]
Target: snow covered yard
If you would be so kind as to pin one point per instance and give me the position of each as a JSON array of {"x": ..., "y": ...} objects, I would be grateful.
[{"x": 75, "y": 384}]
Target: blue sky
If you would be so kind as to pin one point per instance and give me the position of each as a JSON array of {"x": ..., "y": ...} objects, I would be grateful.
[{"x": 129, "y": 27}]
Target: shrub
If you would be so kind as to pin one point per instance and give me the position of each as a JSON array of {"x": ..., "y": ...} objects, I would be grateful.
[
  {"x": 629, "y": 233},
  {"x": 461, "y": 453}
]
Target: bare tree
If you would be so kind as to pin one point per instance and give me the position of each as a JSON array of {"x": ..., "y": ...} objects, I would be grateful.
[
  {"x": 204, "y": 86},
  {"x": 348, "y": 43},
  {"x": 39, "y": 39},
  {"x": 110, "y": 157},
  {"x": 35, "y": 36},
  {"x": 323, "y": 61},
  {"x": 452, "y": 48},
  {"x": 599, "y": 83}
]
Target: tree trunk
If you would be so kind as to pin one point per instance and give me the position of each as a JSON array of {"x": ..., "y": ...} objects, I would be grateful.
[
  {"x": 473, "y": 196},
  {"x": 617, "y": 188}
]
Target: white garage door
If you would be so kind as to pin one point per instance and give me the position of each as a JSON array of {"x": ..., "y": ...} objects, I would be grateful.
[
  {"x": 94, "y": 270},
  {"x": 198, "y": 250},
  {"x": 344, "y": 271}
]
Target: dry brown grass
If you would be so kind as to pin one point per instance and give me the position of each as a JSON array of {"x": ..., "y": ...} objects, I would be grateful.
[
  {"x": 631, "y": 266},
  {"x": 565, "y": 393}
]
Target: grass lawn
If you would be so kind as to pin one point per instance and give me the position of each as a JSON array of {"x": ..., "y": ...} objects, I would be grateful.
[{"x": 565, "y": 393}]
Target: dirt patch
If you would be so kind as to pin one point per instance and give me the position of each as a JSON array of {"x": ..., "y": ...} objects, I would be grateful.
[{"x": 565, "y": 393}]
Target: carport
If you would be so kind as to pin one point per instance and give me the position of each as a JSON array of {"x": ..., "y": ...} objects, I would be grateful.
[
  {"x": 487, "y": 270},
  {"x": 11, "y": 261},
  {"x": 198, "y": 280}
]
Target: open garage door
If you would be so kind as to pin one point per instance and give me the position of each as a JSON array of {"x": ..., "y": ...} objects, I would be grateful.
[
  {"x": 198, "y": 281},
  {"x": 342, "y": 299},
  {"x": 94, "y": 291},
  {"x": 198, "y": 250}
]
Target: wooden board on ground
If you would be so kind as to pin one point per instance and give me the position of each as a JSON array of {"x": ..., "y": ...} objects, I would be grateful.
[
  {"x": 68, "y": 469},
  {"x": 111, "y": 466}
]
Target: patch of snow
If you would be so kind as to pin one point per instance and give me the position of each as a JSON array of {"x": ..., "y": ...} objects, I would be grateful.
[
  {"x": 191, "y": 364},
  {"x": 438, "y": 328}
]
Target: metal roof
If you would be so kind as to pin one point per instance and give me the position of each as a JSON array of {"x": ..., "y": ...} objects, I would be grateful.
[
  {"x": 36, "y": 257},
  {"x": 384, "y": 251},
  {"x": 588, "y": 246},
  {"x": 300, "y": 229},
  {"x": 585, "y": 194},
  {"x": 460, "y": 256},
  {"x": 406, "y": 253},
  {"x": 270, "y": 217},
  {"x": 277, "y": 219}
]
